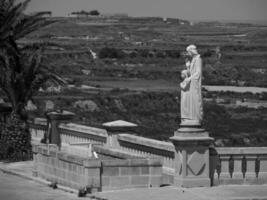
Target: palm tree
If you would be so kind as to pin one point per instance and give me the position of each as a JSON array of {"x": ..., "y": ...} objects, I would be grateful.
[{"x": 22, "y": 73}]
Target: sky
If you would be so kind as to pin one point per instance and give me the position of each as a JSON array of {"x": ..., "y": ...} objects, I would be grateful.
[{"x": 184, "y": 9}]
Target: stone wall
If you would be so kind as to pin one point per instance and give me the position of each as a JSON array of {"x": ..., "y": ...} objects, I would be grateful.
[
  {"x": 68, "y": 170},
  {"x": 239, "y": 165},
  {"x": 227, "y": 165},
  {"x": 118, "y": 170},
  {"x": 131, "y": 173}
]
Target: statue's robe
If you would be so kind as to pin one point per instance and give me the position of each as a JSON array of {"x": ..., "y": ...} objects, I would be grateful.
[
  {"x": 191, "y": 100},
  {"x": 185, "y": 86}
]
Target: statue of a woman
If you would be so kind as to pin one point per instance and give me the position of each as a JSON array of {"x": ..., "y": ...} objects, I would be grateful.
[{"x": 191, "y": 97}]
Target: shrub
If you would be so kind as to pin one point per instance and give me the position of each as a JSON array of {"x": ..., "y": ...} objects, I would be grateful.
[
  {"x": 94, "y": 12},
  {"x": 107, "y": 52}
]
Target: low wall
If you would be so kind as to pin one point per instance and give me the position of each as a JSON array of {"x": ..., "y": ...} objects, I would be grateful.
[
  {"x": 70, "y": 132},
  {"x": 227, "y": 165},
  {"x": 69, "y": 170},
  {"x": 238, "y": 165},
  {"x": 116, "y": 172},
  {"x": 131, "y": 173}
]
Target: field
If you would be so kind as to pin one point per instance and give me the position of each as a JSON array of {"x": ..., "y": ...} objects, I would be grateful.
[{"x": 137, "y": 72}]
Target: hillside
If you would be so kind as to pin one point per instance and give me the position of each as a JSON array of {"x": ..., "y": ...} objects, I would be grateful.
[{"x": 137, "y": 72}]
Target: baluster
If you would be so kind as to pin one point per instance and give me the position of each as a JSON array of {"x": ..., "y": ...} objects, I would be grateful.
[
  {"x": 251, "y": 175},
  {"x": 262, "y": 162},
  {"x": 237, "y": 175},
  {"x": 225, "y": 175},
  {"x": 257, "y": 166},
  {"x": 244, "y": 166}
]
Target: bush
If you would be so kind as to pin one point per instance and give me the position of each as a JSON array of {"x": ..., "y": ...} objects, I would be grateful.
[
  {"x": 207, "y": 53},
  {"x": 94, "y": 12},
  {"x": 107, "y": 52}
]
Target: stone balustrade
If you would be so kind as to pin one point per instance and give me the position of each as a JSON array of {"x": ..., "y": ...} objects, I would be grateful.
[
  {"x": 148, "y": 147},
  {"x": 70, "y": 132},
  {"x": 113, "y": 170},
  {"x": 228, "y": 165},
  {"x": 246, "y": 165},
  {"x": 75, "y": 133}
]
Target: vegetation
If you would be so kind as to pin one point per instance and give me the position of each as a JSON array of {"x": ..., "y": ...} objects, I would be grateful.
[
  {"x": 21, "y": 75},
  {"x": 137, "y": 73}
]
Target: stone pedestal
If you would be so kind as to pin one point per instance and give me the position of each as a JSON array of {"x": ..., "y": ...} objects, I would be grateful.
[
  {"x": 115, "y": 128},
  {"x": 54, "y": 119},
  {"x": 191, "y": 156}
]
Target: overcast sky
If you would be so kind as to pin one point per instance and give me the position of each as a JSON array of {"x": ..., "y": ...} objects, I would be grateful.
[{"x": 186, "y": 9}]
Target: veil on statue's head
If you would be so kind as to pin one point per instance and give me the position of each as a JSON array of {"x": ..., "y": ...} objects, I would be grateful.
[{"x": 192, "y": 48}]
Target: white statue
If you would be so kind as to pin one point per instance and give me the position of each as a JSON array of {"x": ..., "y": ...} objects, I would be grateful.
[{"x": 191, "y": 97}]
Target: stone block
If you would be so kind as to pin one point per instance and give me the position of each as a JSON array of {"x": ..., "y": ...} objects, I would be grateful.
[
  {"x": 119, "y": 181},
  {"x": 140, "y": 180},
  {"x": 69, "y": 166},
  {"x": 139, "y": 162},
  {"x": 74, "y": 168},
  {"x": 94, "y": 181},
  {"x": 110, "y": 171},
  {"x": 144, "y": 170},
  {"x": 53, "y": 161},
  {"x": 80, "y": 169},
  {"x": 116, "y": 162},
  {"x": 155, "y": 170},
  {"x": 91, "y": 163},
  {"x": 65, "y": 166},
  {"x": 135, "y": 170},
  {"x": 125, "y": 171},
  {"x": 155, "y": 161},
  {"x": 167, "y": 179},
  {"x": 92, "y": 172},
  {"x": 156, "y": 181},
  {"x": 192, "y": 182},
  {"x": 35, "y": 174},
  {"x": 105, "y": 181},
  {"x": 62, "y": 156},
  {"x": 53, "y": 153},
  {"x": 110, "y": 188},
  {"x": 75, "y": 159},
  {"x": 45, "y": 152}
]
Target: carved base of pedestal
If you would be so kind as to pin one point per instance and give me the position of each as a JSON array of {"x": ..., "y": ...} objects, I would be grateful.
[
  {"x": 191, "y": 157},
  {"x": 192, "y": 182}
]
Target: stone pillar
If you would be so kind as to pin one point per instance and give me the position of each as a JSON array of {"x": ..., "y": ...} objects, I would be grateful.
[
  {"x": 191, "y": 156},
  {"x": 117, "y": 127},
  {"x": 55, "y": 118}
]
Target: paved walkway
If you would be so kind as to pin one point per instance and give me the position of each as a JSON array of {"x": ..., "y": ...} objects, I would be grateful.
[
  {"x": 173, "y": 193},
  {"x": 18, "y": 188},
  {"x": 25, "y": 187}
]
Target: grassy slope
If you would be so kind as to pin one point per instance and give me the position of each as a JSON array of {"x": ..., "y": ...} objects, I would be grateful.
[{"x": 156, "y": 110}]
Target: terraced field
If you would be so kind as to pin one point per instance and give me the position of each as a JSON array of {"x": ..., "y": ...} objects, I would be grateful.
[{"x": 137, "y": 72}]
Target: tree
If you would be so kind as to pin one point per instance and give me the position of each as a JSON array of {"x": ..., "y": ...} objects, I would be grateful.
[
  {"x": 21, "y": 74},
  {"x": 94, "y": 12}
]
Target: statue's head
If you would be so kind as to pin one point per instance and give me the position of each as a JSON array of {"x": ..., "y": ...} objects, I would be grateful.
[{"x": 192, "y": 50}]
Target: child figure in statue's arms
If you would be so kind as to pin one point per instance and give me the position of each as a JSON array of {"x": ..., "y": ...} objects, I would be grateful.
[{"x": 185, "y": 83}]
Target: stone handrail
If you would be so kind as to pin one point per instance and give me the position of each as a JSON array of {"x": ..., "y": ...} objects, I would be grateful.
[
  {"x": 73, "y": 133},
  {"x": 148, "y": 147},
  {"x": 234, "y": 165},
  {"x": 228, "y": 165},
  {"x": 70, "y": 132}
]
